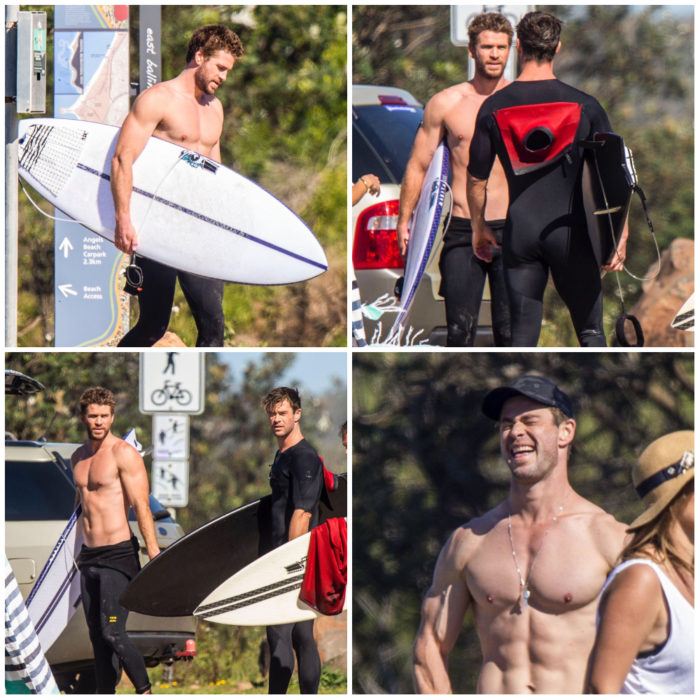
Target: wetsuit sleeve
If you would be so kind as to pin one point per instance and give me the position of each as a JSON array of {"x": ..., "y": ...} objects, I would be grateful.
[
  {"x": 482, "y": 151},
  {"x": 307, "y": 481},
  {"x": 598, "y": 117}
]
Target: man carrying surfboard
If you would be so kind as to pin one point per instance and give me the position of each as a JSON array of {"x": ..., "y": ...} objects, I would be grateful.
[
  {"x": 110, "y": 477},
  {"x": 296, "y": 480},
  {"x": 531, "y": 568},
  {"x": 537, "y": 126},
  {"x": 183, "y": 111},
  {"x": 450, "y": 116}
]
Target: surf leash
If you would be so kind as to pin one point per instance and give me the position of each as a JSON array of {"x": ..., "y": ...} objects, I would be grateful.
[
  {"x": 134, "y": 273},
  {"x": 39, "y": 209}
]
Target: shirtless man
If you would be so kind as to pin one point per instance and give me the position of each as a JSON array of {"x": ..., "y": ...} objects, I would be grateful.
[
  {"x": 451, "y": 115},
  {"x": 531, "y": 568},
  {"x": 109, "y": 477},
  {"x": 183, "y": 111}
]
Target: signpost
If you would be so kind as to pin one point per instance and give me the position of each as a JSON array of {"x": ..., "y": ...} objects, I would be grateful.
[
  {"x": 461, "y": 15},
  {"x": 171, "y": 387},
  {"x": 171, "y": 382},
  {"x": 91, "y": 82}
]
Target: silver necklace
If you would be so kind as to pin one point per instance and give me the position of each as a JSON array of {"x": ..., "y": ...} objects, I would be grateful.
[{"x": 525, "y": 582}]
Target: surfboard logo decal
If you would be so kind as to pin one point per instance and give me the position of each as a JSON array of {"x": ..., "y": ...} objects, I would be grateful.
[
  {"x": 296, "y": 566},
  {"x": 196, "y": 160},
  {"x": 209, "y": 220}
]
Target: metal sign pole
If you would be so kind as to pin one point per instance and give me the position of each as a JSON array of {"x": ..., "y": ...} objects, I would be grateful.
[
  {"x": 149, "y": 46},
  {"x": 11, "y": 187}
]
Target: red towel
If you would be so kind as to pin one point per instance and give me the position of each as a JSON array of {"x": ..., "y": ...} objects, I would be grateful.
[
  {"x": 329, "y": 478},
  {"x": 326, "y": 568}
]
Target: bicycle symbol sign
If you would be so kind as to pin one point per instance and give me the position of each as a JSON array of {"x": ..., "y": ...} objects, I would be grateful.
[
  {"x": 171, "y": 382},
  {"x": 171, "y": 392}
]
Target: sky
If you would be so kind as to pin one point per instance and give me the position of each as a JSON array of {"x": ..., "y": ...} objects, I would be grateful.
[{"x": 313, "y": 370}]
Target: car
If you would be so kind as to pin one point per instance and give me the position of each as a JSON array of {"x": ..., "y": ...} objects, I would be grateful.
[
  {"x": 384, "y": 124},
  {"x": 39, "y": 500}
]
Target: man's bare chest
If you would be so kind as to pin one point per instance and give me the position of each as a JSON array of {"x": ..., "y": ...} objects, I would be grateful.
[
  {"x": 96, "y": 472},
  {"x": 559, "y": 573},
  {"x": 192, "y": 126}
]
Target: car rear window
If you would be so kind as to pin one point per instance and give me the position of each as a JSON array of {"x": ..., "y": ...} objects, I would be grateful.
[
  {"x": 36, "y": 491},
  {"x": 388, "y": 132}
]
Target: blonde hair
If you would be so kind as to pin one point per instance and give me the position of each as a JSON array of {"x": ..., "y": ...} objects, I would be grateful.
[{"x": 655, "y": 537}]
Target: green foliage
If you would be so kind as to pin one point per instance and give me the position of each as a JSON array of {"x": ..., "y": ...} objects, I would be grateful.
[
  {"x": 285, "y": 127},
  {"x": 425, "y": 460},
  {"x": 637, "y": 61}
]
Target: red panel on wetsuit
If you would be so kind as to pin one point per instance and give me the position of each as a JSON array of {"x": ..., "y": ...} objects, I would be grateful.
[{"x": 537, "y": 135}]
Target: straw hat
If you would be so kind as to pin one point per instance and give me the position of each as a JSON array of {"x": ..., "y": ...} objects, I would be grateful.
[{"x": 662, "y": 470}]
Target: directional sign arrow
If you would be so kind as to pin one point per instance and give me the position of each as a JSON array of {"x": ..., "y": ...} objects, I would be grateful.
[
  {"x": 65, "y": 246},
  {"x": 67, "y": 289}
]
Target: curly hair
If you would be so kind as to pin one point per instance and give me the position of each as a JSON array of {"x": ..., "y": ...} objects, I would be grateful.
[
  {"x": 539, "y": 34},
  {"x": 212, "y": 38},
  {"x": 488, "y": 22},
  {"x": 278, "y": 395},
  {"x": 99, "y": 396}
]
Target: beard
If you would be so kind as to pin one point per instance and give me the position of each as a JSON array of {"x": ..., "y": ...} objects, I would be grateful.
[
  {"x": 200, "y": 80},
  {"x": 481, "y": 70}
]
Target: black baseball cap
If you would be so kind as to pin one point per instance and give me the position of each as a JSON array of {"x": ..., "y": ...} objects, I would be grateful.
[{"x": 539, "y": 389}]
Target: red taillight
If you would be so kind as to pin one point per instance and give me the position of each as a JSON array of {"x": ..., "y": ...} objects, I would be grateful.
[
  {"x": 190, "y": 650},
  {"x": 375, "y": 243}
]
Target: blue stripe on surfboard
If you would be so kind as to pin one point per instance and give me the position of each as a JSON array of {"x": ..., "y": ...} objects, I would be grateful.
[
  {"x": 209, "y": 220},
  {"x": 51, "y": 607},
  {"x": 54, "y": 553},
  {"x": 428, "y": 248}
]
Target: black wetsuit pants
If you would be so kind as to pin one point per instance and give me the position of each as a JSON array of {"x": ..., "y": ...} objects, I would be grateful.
[
  {"x": 462, "y": 285},
  {"x": 568, "y": 254},
  {"x": 101, "y": 589},
  {"x": 284, "y": 640},
  {"x": 204, "y": 296}
]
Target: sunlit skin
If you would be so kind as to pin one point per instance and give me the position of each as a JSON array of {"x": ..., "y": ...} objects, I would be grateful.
[
  {"x": 531, "y": 441},
  {"x": 451, "y": 114},
  {"x": 183, "y": 111},
  {"x": 284, "y": 422},
  {"x": 564, "y": 562},
  {"x": 110, "y": 477},
  {"x": 633, "y": 612}
]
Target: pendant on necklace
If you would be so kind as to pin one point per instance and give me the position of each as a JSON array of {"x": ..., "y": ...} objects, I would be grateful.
[{"x": 526, "y": 596}]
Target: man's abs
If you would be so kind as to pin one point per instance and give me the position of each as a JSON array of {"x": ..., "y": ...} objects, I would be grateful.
[{"x": 104, "y": 517}]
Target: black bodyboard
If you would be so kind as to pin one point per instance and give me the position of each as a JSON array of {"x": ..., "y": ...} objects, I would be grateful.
[
  {"x": 183, "y": 575},
  {"x": 607, "y": 186}
]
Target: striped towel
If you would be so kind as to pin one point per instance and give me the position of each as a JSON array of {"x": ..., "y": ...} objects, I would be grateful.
[
  {"x": 358, "y": 327},
  {"x": 26, "y": 668}
]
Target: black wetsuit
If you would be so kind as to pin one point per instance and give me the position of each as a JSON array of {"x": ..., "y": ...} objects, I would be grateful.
[
  {"x": 204, "y": 296},
  {"x": 546, "y": 225},
  {"x": 462, "y": 285},
  {"x": 296, "y": 480},
  {"x": 105, "y": 573}
]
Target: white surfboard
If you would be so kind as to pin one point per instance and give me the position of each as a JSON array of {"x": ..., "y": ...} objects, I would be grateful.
[
  {"x": 423, "y": 227},
  {"x": 56, "y": 594},
  {"x": 266, "y": 592},
  {"x": 189, "y": 212},
  {"x": 685, "y": 318}
]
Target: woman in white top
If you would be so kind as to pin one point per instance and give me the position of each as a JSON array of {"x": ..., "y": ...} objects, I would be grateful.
[{"x": 645, "y": 637}]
